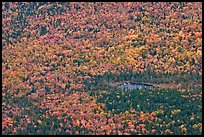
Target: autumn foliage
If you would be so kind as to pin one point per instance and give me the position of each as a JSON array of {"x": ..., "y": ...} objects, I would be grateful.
[{"x": 51, "y": 49}]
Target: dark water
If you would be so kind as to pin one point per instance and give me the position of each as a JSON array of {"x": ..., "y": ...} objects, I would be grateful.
[{"x": 132, "y": 86}]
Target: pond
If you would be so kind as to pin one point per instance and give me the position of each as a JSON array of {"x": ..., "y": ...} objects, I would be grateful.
[{"x": 132, "y": 86}]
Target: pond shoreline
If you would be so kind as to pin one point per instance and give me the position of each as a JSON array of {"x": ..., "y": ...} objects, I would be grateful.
[{"x": 135, "y": 85}]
